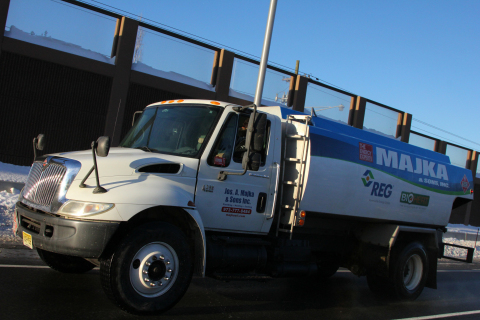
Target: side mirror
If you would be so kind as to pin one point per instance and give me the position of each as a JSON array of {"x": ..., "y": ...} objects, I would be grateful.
[
  {"x": 103, "y": 146},
  {"x": 255, "y": 138},
  {"x": 135, "y": 116},
  {"x": 252, "y": 161},
  {"x": 40, "y": 142}
]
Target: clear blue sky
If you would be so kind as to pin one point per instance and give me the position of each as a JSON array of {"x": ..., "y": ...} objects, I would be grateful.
[{"x": 421, "y": 57}]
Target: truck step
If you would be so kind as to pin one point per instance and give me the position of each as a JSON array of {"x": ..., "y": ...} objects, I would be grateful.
[
  {"x": 285, "y": 230},
  {"x": 293, "y": 160},
  {"x": 286, "y": 206},
  {"x": 295, "y": 136},
  {"x": 241, "y": 276}
]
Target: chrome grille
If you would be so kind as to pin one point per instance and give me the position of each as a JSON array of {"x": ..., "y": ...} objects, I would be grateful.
[{"x": 42, "y": 185}]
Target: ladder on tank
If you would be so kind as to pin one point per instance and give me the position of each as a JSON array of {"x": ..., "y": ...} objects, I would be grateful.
[{"x": 293, "y": 170}]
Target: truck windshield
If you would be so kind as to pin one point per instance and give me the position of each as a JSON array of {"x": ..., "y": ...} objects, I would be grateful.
[{"x": 173, "y": 129}]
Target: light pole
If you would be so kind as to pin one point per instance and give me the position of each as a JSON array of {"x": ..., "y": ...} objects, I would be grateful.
[{"x": 265, "y": 51}]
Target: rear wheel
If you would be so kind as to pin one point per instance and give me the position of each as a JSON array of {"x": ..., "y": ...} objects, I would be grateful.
[
  {"x": 150, "y": 270},
  {"x": 408, "y": 276},
  {"x": 64, "y": 263},
  {"x": 410, "y": 272}
]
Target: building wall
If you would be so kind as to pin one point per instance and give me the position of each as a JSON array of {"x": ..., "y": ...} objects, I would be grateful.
[{"x": 66, "y": 104}]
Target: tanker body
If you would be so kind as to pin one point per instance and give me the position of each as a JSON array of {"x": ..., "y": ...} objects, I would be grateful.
[{"x": 215, "y": 189}]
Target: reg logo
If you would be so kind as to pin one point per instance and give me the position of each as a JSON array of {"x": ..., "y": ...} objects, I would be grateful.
[{"x": 379, "y": 189}]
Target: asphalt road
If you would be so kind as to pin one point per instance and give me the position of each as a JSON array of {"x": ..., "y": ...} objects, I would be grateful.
[{"x": 29, "y": 290}]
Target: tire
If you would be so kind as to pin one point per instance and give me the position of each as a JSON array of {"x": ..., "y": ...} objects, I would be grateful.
[
  {"x": 408, "y": 276},
  {"x": 64, "y": 263},
  {"x": 150, "y": 270},
  {"x": 410, "y": 272}
]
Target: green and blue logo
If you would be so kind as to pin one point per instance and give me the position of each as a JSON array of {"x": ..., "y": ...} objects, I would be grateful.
[{"x": 367, "y": 178}]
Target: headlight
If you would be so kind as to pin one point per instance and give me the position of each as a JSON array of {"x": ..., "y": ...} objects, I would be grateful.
[{"x": 78, "y": 208}]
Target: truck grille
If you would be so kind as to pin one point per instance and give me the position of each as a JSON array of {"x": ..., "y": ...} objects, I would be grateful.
[{"x": 42, "y": 185}]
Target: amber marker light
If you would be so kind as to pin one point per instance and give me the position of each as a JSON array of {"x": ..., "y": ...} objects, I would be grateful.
[
  {"x": 171, "y": 101},
  {"x": 301, "y": 223},
  {"x": 303, "y": 214},
  {"x": 215, "y": 103},
  {"x": 163, "y": 102},
  {"x": 191, "y": 204},
  {"x": 180, "y": 101}
]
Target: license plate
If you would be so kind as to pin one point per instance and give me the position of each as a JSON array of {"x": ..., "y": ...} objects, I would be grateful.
[{"x": 27, "y": 240}]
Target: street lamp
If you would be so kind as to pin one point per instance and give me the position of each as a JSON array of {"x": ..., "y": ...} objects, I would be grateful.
[{"x": 315, "y": 109}]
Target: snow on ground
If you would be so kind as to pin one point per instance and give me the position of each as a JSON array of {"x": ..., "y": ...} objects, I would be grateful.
[
  {"x": 458, "y": 252},
  {"x": 10, "y": 172},
  {"x": 13, "y": 173},
  {"x": 7, "y": 208}
]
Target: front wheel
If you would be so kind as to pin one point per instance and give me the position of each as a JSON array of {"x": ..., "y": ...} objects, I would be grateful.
[{"x": 150, "y": 270}]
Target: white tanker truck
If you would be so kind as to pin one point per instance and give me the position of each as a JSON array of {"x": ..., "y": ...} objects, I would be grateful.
[{"x": 215, "y": 189}]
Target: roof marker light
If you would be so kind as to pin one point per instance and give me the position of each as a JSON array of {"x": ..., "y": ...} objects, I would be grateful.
[
  {"x": 180, "y": 101},
  {"x": 163, "y": 102},
  {"x": 171, "y": 101},
  {"x": 215, "y": 103}
]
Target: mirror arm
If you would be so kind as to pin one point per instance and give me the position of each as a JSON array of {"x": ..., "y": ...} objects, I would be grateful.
[
  {"x": 82, "y": 184},
  {"x": 34, "y": 149},
  {"x": 222, "y": 175},
  {"x": 98, "y": 189}
]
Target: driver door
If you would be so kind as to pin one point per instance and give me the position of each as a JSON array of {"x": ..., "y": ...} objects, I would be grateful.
[{"x": 241, "y": 202}]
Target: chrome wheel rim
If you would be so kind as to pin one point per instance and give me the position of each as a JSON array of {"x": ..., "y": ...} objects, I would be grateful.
[
  {"x": 412, "y": 272},
  {"x": 154, "y": 269}
]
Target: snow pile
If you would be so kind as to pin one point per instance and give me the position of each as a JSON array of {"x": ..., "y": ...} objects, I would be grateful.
[
  {"x": 13, "y": 173},
  {"x": 56, "y": 44},
  {"x": 7, "y": 209},
  {"x": 247, "y": 97},
  {"x": 459, "y": 252},
  {"x": 462, "y": 228},
  {"x": 170, "y": 75}
]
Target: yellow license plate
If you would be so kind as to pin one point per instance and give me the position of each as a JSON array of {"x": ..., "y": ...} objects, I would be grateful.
[{"x": 27, "y": 240}]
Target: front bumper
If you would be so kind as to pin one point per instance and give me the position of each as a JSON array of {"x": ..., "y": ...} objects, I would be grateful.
[{"x": 86, "y": 239}]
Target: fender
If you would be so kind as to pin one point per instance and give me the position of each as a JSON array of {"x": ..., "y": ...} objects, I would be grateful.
[{"x": 200, "y": 241}]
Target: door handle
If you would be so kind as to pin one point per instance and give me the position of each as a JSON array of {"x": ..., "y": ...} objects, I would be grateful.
[{"x": 261, "y": 202}]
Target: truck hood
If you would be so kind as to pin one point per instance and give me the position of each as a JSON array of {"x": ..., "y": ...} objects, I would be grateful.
[{"x": 127, "y": 162}]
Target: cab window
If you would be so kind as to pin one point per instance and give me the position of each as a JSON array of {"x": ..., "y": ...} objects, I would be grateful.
[{"x": 223, "y": 149}]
